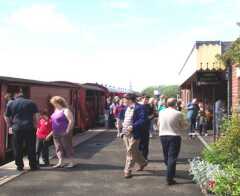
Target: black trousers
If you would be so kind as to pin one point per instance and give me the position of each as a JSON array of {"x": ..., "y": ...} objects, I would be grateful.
[
  {"x": 29, "y": 138},
  {"x": 43, "y": 150},
  {"x": 192, "y": 125},
  {"x": 144, "y": 142},
  {"x": 171, "y": 147}
]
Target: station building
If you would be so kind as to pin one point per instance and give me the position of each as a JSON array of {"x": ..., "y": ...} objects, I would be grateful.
[{"x": 203, "y": 76}]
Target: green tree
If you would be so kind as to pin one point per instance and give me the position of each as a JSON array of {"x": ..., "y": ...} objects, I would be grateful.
[
  {"x": 232, "y": 55},
  {"x": 149, "y": 90},
  {"x": 167, "y": 90}
]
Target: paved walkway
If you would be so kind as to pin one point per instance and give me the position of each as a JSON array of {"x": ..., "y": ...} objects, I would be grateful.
[{"x": 100, "y": 173}]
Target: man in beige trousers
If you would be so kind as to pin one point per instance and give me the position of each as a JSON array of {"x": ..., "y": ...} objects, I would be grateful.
[{"x": 133, "y": 123}]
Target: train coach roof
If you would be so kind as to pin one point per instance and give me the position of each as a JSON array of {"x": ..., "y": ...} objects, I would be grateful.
[
  {"x": 94, "y": 87},
  {"x": 67, "y": 84},
  {"x": 33, "y": 82}
]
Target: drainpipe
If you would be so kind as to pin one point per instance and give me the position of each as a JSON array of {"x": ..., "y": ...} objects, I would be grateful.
[{"x": 229, "y": 90}]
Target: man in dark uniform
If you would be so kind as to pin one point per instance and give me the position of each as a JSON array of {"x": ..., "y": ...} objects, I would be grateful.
[
  {"x": 23, "y": 114},
  {"x": 144, "y": 142}
]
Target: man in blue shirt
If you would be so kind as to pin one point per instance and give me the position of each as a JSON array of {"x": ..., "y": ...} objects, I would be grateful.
[{"x": 192, "y": 113}]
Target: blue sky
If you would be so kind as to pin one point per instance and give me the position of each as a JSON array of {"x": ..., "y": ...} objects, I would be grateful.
[{"x": 109, "y": 41}]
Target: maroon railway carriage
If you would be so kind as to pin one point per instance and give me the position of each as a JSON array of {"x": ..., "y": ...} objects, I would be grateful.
[
  {"x": 86, "y": 101},
  {"x": 94, "y": 101},
  {"x": 90, "y": 103},
  {"x": 40, "y": 93}
]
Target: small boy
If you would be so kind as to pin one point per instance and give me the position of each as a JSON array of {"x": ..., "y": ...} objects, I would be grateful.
[{"x": 43, "y": 136}]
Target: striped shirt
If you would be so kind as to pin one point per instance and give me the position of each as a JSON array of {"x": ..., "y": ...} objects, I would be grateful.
[{"x": 128, "y": 119}]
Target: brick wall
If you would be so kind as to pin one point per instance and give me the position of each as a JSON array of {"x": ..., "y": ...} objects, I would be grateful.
[{"x": 235, "y": 88}]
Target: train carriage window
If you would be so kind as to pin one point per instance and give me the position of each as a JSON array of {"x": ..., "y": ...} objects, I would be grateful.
[{"x": 12, "y": 89}]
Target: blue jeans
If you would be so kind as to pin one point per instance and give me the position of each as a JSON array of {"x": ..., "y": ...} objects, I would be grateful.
[{"x": 171, "y": 147}]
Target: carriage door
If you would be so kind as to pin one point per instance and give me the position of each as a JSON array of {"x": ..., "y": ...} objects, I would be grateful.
[{"x": 74, "y": 105}]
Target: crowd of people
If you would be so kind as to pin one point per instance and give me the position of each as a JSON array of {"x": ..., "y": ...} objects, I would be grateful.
[
  {"x": 137, "y": 119},
  {"x": 204, "y": 117}
]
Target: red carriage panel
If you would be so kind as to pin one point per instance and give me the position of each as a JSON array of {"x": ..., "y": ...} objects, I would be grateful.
[
  {"x": 3, "y": 131},
  {"x": 42, "y": 94}
]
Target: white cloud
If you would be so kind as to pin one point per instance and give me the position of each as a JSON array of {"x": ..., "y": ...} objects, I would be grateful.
[
  {"x": 205, "y": 2},
  {"x": 40, "y": 18}
]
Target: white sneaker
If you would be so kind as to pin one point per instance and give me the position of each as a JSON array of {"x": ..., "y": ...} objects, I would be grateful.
[
  {"x": 70, "y": 165},
  {"x": 59, "y": 165}
]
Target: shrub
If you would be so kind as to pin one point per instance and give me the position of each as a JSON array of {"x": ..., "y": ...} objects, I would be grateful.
[
  {"x": 226, "y": 151},
  {"x": 228, "y": 183}
]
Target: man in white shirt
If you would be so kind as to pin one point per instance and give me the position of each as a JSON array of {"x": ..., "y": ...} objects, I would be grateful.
[{"x": 171, "y": 124}]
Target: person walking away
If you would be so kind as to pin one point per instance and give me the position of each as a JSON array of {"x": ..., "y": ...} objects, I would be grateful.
[
  {"x": 171, "y": 125},
  {"x": 209, "y": 116},
  {"x": 162, "y": 103},
  {"x": 119, "y": 119},
  {"x": 23, "y": 113},
  {"x": 62, "y": 126},
  {"x": 113, "y": 108},
  {"x": 152, "y": 115},
  {"x": 133, "y": 123},
  {"x": 192, "y": 113},
  {"x": 122, "y": 114},
  {"x": 220, "y": 111},
  {"x": 107, "y": 112},
  {"x": 43, "y": 136},
  {"x": 156, "y": 113},
  {"x": 145, "y": 134},
  {"x": 202, "y": 123}
]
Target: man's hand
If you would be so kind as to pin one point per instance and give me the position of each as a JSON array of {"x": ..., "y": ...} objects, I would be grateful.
[
  {"x": 68, "y": 132},
  {"x": 48, "y": 138},
  {"x": 130, "y": 129},
  {"x": 119, "y": 125}
]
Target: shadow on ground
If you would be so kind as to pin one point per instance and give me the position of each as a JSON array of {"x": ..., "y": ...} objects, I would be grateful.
[{"x": 88, "y": 149}]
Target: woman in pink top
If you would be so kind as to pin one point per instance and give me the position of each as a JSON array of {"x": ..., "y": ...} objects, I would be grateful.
[{"x": 62, "y": 125}]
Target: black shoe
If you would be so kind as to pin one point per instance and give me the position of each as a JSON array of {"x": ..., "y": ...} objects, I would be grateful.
[
  {"x": 35, "y": 168},
  {"x": 171, "y": 182},
  {"x": 45, "y": 165},
  {"x": 20, "y": 168},
  {"x": 46, "y": 162}
]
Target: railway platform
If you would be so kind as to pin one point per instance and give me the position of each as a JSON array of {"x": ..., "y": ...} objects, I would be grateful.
[{"x": 100, "y": 172}]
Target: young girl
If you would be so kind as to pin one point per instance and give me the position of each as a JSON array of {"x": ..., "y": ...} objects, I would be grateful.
[{"x": 43, "y": 136}]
